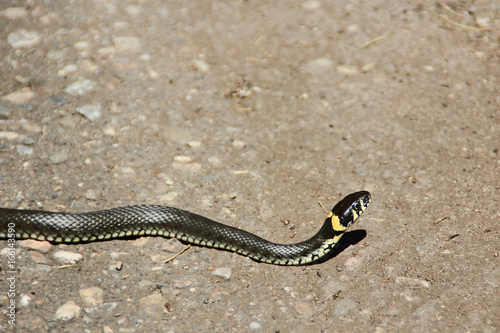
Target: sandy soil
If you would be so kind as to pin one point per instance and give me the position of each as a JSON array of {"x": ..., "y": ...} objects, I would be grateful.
[{"x": 252, "y": 112}]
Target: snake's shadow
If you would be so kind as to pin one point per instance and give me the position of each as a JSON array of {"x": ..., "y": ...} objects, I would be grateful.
[{"x": 349, "y": 238}]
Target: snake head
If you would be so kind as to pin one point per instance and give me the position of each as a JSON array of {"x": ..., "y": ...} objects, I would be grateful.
[{"x": 349, "y": 209}]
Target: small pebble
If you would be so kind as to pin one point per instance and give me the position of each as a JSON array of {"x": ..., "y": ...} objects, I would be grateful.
[
  {"x": 24, "y": 301},
  {"x": 24, "y": 150},
  {"x": 81, "y": 45},
  {"x": 124, "y": 173},
  {"x": 239, "y": 144},
  {"x": 133, "y": 10},
  {"x": 30, "y": 141},
  {"x": 89, "y": 66},
  {"x": 68, "y": 311},
  {"x": 353, "y": 28},
  {"x": 192, "y": 167},
  {"x": 179, "y": 135},
  {"x": 483, "y": 22},
  {"x": 412, "y": 282},
  {"x": 56, "y": 55},
  {"x": 429, "y": 69},
  {"x": 71, "y": 121},
  {"x": 144, "y": 284},
  {"x": 32, "y": 127},
  {"x": 183, "y": 159},
  {"x": 166, "y": 178},
  {"x": 109, "y": 130},
  {"x": 90, "y": 111},
  {"x": 223, "y": 272},
  {"x": 59, "y": 157},
  {"x": 347, "y": 70},
  {"x": 311, "y": 5},
  {"x": 14, "y": 13},
  {"x": 19, "y": 97},
  {"x": 90, "y": 195},
  {"x": 127, "y": 44},
  {"x": 106, "y": 51},
  {"x": 118, "y": 255},
  {"x": 67, "y": 258},
  {"x": 200, "y": 66},
  {"x": 168, "y": 197},
  {"x": 58, "y": 100},
  {"x": 107, "y": 329},
  {"x": 153, "y": 304},
  {"x": 319, "y": 66},
  {"x": 256, "y": 326},
  {"x": 7, "y": 135},
  {"x": 92, "y": 296},
  {"x": 215, "y": 161},
  {"x": 182, "y": 283},
  {"x": 80, "y": 88},
  {"x": 194, "y": 144},
  {"x": 23, "y": 38},
  {"x": 66, "y": 70}
]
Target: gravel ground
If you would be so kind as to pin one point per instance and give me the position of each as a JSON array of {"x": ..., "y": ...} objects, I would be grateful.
[{"x": 250, "y": 113}]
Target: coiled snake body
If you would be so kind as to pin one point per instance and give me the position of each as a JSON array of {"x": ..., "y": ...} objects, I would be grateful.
[{"x": 164, "y": 221}]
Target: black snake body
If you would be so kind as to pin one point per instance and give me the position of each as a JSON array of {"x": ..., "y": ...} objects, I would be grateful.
[{"x": 186, "y": 226}]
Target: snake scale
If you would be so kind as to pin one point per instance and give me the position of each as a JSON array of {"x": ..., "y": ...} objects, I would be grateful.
[{"x": 130, "y": 221}]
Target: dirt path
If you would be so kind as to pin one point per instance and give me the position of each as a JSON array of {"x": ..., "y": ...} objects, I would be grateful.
[{"x": 250, "y": 112}]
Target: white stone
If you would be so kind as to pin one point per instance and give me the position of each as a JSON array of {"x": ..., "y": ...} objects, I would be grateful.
[
  {"x": 183, "y": 159},
  {"x": 67, "y": 258},
  {"x": 90, "y": 111},
  {"x": 68, "y": 311},
  {"x": 59, "y": 157},
  {"x": 24, "y": 301},
  {"x": 23, "y": 38},
  {"x": 319, "y": 66},
  {"x": 223, "y": 272},
  {"x": 19, "y": 97},
  {"x": 92, "y": 296},
  {"x": 68, "y": 69},
  {"x": 168, "y": 197},
  {"x": 9, "y": 135},
  {"x": 127, "y": 44},
  {"x": 200, "y": 66},
  {"x": 311, "y": 5},
  {"x": 14, "y": 13},
  {"x": 80, "y": 88},
  {"x": 24, "y": 150},
  {"x": 347, "y": 70}
]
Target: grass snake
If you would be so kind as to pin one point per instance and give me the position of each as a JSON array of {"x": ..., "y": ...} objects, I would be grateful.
[{"x": 133, "y": 221}]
